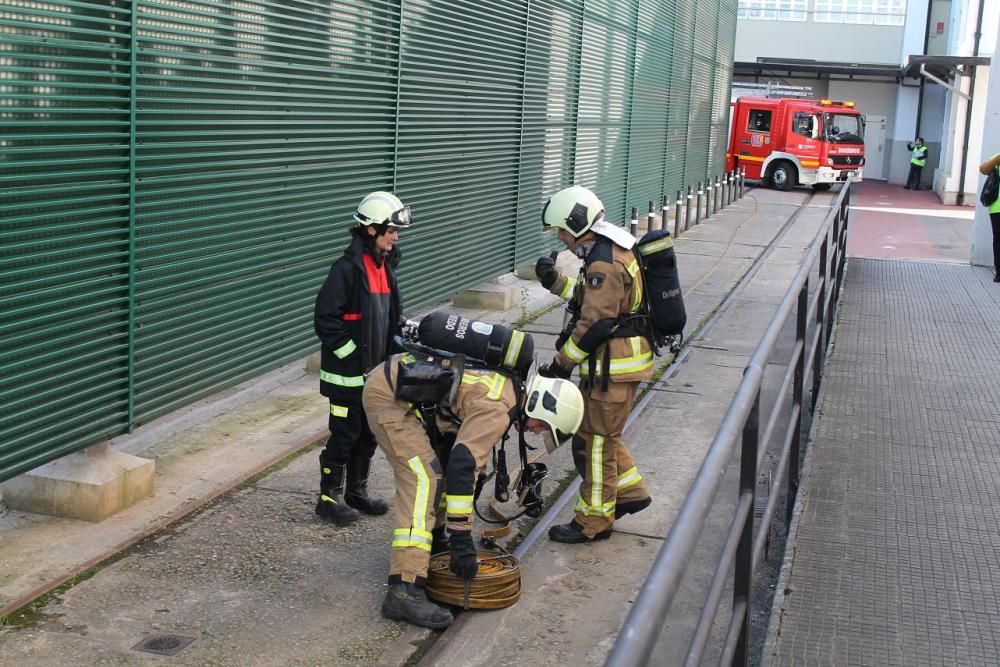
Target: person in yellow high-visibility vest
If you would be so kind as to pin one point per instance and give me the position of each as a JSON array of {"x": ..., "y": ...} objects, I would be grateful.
[
  {"x": 918, "y": 158},
  {"x": 993, "y": 164}
]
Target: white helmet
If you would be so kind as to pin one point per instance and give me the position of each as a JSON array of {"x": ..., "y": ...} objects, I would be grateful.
[
  {"x": 559, "y": 404},
  {"x": 382, "y": 208},
  {"x": 574, "y": 209}
]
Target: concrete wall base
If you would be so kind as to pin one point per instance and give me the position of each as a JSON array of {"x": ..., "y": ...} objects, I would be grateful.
[
  {"x": 499, "y": 295},
  {"x": 90, "y": 485}
]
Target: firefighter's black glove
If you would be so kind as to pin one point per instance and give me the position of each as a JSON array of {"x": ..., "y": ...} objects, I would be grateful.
[
  {"x": 464, "y": 562},
  {"x": 545, "y": 269},
  {"x": 554, "y": 370}
]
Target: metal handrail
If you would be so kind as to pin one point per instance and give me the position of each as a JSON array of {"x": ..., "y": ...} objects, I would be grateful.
[{"x": 742, "y": 423}]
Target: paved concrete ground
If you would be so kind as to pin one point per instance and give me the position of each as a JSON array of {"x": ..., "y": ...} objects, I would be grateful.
[
  {"x": 894, "y": 557},
  {"x": 892, "y": 223},
  {"x": 255, "y": 578}
]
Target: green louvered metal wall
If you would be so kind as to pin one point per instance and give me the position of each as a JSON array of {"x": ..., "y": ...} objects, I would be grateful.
[{"x": 178, "y": 175}]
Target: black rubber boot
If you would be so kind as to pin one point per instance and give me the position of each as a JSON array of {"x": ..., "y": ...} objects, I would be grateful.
[
  {"x": 331, "y": 505},
  {"x": 572, "y": 533},
  {"x": 357, "y": 488},
  {"x": 408, "y": 602},
  {"x": 621, "y": 509}
]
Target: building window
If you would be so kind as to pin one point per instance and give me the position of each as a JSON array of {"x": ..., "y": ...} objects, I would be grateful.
[
  {"x": 871, "y": 12},
  {"x": 780, "y": 10}
]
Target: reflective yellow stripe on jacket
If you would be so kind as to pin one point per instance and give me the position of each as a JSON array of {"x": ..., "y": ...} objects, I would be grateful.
[
  {"x": 345, "y": 349},
  {"x": 495, "y": 383},
  {"x": 633, "y": 270},
  {"x": 637, "y": 361},
  {"x": 342, "y": 380}
]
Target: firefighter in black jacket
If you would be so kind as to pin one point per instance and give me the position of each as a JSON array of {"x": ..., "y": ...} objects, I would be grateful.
[{"x": 357, "y": 314}]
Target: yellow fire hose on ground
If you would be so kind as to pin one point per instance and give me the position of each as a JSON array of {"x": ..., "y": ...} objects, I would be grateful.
[{"x": 497, "y": 583}]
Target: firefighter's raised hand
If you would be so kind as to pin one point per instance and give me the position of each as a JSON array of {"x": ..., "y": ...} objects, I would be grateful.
[{"x": 545, "y": 269}]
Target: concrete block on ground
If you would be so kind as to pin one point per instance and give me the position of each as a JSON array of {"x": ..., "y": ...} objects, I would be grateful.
[
  {"x": 498, "y": 294},
  {"x": 90, "y": 485}
]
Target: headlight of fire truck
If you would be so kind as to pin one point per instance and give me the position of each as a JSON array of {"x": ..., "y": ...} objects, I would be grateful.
[{"x": 829, "y": 161}]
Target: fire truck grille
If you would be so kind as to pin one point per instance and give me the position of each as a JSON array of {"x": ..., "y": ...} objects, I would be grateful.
[{"x": 846, "y": 160}]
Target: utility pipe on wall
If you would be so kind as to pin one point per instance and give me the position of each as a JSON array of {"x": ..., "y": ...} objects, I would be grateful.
[{"x": 960, "y": 197}]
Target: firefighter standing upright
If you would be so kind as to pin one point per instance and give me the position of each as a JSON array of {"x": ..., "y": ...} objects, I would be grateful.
[
  {"x": 484, "y": 405},
  {"x": 358, "y": 310},
  {"x": 607, "y": 340}
]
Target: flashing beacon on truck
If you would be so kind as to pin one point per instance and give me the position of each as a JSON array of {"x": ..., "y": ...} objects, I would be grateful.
[{"x": 791, "y": 141}]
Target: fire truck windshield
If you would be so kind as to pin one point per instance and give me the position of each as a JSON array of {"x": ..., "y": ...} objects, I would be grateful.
[{"x": 842, "y": 128}]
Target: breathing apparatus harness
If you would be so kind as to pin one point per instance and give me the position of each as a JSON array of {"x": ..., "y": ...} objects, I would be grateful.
[{"x": 431, "y": 398}]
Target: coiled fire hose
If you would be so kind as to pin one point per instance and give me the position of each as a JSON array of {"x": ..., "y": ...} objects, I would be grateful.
[{"x": 497, "y": 583}]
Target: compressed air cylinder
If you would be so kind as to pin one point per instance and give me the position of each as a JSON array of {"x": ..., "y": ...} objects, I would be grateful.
[{"x": 495, "y": 345}]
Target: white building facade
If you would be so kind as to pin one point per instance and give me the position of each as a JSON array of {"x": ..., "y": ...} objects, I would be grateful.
[{"x": 914, "y": 68}]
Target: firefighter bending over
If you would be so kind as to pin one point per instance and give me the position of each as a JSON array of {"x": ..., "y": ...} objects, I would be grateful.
[
  {"x": 607, "y": 339},
  {"x": 484, "y": 404}
]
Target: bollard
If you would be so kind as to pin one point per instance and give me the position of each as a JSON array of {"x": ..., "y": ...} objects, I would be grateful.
[
  {"x": 726, "y": 199},
  {"x": 665, "y": 213},
  {"x": 687, "y": 210},
  {"x": 677, "y": 215},
  {"x": 634, "y": 223},
  {"x": 716, "y": 191},
  {"x": 650, "y": 217},
  {"x": 697, "y": 204},
  {"x": 732, "y": 184},
  {"x": 743, "y": 180}
]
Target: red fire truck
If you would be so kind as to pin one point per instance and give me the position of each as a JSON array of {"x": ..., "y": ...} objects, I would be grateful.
[{"x": 789, "y": 141}]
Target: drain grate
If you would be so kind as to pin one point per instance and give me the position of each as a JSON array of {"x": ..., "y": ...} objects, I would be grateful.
[{"x": 163, "y": 644}]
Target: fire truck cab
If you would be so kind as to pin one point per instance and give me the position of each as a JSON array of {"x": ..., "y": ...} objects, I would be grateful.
[{"x": 788, "y": 141}]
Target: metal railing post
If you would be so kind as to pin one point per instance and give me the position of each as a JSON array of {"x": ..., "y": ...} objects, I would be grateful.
[
  {"x": 798, "y": 390},
  {"x": 725, "y": 189},
  {"x": 716, "y": 192},
  {"x": 820, "y": 320},
  {"x": 665, "y": 214},
  {"x": 697, "y": 204},
  {"x": 743, "y": 180},
  {"x": 677, "y": 215},
  {"x": 743, "y": 572},
  {"x": 708, "y": 197},
  {"x": 650, "y": 217},
  {"x": 834, "y": 262},
  {"x": 633, "y": 224},
  {"x": 687, "y": 210}
]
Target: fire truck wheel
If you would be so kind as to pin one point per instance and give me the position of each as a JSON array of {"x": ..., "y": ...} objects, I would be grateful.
[
  {"x": 822, "y": 187},
  {"x": 783, "y": 176}
]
